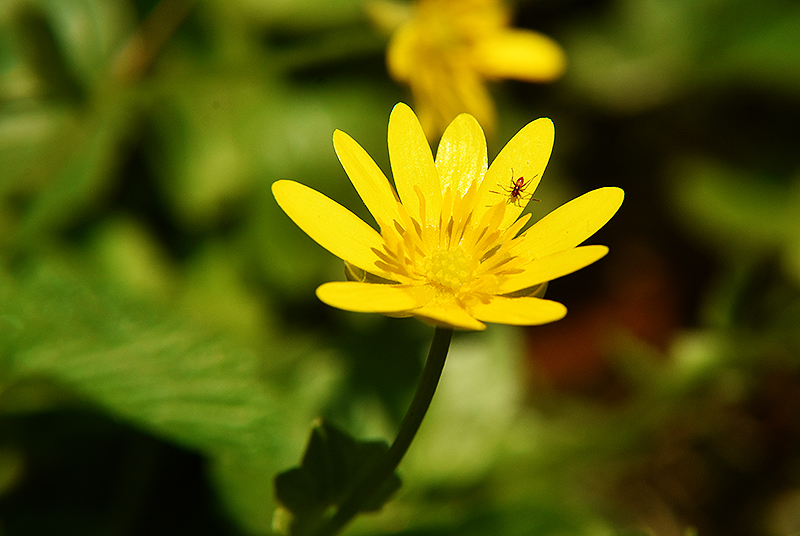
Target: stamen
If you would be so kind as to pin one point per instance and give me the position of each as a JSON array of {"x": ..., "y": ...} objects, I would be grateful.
[
  {"x": 486, "y": 222},
  {"x": 385, "y": 267},
  {"x": 412, "y": 240},
  {"x": 487, "y": 241},
  {"x": 417, "y": 227},
  {"x": 512, "y": 231},
  {"x": 486, "y": 256},
  {"x": 421, "y": 197},
  {"x": 486, "y": 267},
  {"x": 464, "y": 205},
  {"x": 447, "y": 204},
  {"x": 388, "y": 256},
  {"x": 462, "y": 226},
  {"x": 448, "y": 235}
]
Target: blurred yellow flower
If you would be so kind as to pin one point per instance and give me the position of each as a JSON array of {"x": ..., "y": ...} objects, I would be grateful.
[
  {"x": 449, "y": 250},
  {"x": 447, "y": 49}
]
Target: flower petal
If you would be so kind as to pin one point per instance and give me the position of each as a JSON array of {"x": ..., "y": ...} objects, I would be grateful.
[
  {"x": 461, "y": 156},
  {"x": 519, "y": 311},
  {"x": 413, "y": 167},
  {"x": 330, "y": 225},
  {"x": 570, "y": 224},
  {"x": 454, "y": 317},
  {"x": 366, "y": 297},
  {"x": 526, "y": 156},
  {"x": 400, "y": 52},
  {"x": 519, "y": 54},
  {"x": 552, "y": 267},
  {"x": 469, "y": 94},
  {"x": 368, "y": 179}
]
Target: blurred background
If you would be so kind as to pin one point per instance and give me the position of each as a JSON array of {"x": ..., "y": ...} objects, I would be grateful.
[{"x": 162, "y": 352}]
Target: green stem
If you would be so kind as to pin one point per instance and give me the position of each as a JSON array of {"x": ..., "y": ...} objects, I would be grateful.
[{"x": 384, "y": 468}]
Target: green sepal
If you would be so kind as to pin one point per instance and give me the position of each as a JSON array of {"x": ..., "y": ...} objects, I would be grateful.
[
  {"x": 536, "y": 291},
  {"x": 354, "y": 273}
]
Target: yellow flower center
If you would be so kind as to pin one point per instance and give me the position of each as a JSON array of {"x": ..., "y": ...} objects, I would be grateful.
[
  {"x": 458, "y": 254},
  {"x": 450, "y": 268}
]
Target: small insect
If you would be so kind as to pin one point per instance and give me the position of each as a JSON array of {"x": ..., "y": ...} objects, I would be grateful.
[{"x": 516, "y": 192}]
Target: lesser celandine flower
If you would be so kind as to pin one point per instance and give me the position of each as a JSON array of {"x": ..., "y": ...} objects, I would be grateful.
[
  {"x": 449, "y": 250},
  {"x": 447, "y": 49}
]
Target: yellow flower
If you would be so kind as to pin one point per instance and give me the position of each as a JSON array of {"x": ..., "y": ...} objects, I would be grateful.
[
  {"x": 448, "y": 48},
  {"x": 449, "y": 250}
]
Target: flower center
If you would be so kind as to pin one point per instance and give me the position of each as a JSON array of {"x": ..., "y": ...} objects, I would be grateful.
[{"x": 449, "y": 267}]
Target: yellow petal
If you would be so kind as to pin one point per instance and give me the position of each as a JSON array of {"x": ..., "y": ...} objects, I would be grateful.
[
  {"x": 519, "y": 311},
  {"x": 461, "y": 156},
  {"x": 414, "y": 172},
  {"x": 453, "y": 317},
  {"x": 552, "y": 267},
  {"x": 400, "y": 52},
  {"x": 366, "y": 297},
  {"x": 570, "y": 224},
  {"x": 387, "y": 15},
  {"x": 472, "y": 96},
  {"x": 440, "y": 95},
  {"x": 368, "y": 179},
  {"x": 330, "y": 225},
  {"x": 519, "y": 54},
  {"x": 526, "y": 156}
]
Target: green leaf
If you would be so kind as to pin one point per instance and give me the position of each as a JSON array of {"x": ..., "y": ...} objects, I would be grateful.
[
  {"x": 87, "y": 32},
  {"x": 153, "y": 370},
  {"x": 72, "y": 168},
  {"x": 244, "y": 406},
  {"x": 332, "y": 465},
  {"x": 736, "y": 208}
]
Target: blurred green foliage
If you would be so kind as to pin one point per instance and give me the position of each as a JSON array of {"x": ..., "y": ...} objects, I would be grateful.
[{"x": 162, "y": 354}]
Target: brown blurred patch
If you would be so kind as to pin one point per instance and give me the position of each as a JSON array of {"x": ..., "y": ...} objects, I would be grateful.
[{"x": 642, "y": 299}]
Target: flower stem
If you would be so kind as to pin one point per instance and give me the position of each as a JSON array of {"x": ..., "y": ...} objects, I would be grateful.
[{"x": 366, "y": 488}]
